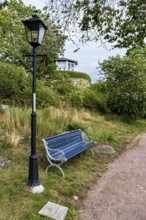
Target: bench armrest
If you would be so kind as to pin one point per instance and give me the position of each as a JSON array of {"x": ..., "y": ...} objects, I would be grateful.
[
  {"x": 61, "y": 157},
  {"x": 49, "y": 150},
  {"x": 86, "y": 138}
]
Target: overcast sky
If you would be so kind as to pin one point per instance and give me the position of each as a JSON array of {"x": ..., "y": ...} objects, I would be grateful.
[{"x": 88, "y": 56}]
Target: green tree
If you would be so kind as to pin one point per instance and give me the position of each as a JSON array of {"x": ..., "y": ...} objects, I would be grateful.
[
  {"x": 16, "y": 87},
  {"x": 125, "y": 80},
  {"x": 13, "y": 44},
  {"x": 129, "y": 25},
  {"x": 13, "y": 81},
  {"x": 123, "y": 24}
]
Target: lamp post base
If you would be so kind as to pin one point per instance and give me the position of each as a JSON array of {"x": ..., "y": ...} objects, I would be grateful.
[
  {"x": 33, "y": 179},
  {"x": 37, "y": 189}
]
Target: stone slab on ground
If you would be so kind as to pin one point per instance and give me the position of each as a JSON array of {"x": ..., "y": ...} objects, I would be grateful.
[
  {"x": 4, "y": 109},
  {"x": 105, "y": 149},
  {"x": 54, "y": 211},
  {"x": 4, "y": 162}
]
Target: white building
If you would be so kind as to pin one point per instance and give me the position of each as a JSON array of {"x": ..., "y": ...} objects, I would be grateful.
[{"x": 66, "y": 64}]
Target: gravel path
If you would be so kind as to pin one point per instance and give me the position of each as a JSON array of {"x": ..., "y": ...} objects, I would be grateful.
[{"x": 120, "y": 194}]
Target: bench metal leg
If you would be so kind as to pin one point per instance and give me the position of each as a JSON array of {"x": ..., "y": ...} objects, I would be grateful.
[
  {"x": 92, "y": 152},
  {"x": 55, "y": 165}
]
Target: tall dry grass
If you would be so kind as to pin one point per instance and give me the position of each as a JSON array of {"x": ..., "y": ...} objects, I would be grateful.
[
  {"x": 50, "y": 121},
  {"x": 16, "y": 120}
]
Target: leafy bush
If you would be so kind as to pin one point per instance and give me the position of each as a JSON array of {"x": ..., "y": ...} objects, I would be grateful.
[
  {"x": 93, "y": 101},
  {"x": 45, "y": 96},
  {"x": 62, "y": 86},
  {"x": 76, "y": 97},
  {"x": 13, "y": 81},
  {"x": 125, "y": 80},
  {"x": 16, "y": 87},
  {"x": 74, "y": 74}
]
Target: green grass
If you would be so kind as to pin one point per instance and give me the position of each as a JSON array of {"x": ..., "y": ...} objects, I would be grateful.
[
  {"x": 17, "y": 202},
  {"x": 75, "y": 74}
]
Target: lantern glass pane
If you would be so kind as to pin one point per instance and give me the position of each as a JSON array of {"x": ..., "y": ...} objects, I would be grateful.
[
  {"x": 32, "y": 35},
  {"x": 41, "y": 34}
]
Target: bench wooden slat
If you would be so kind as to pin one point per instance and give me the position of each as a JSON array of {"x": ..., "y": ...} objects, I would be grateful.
[
  {"x": 66, "y": 148},
  {"x": 63, "y": 139},
  {"x": 58, "y": 141},
  {"x": 76, "y": 151},
  {"x": 66, "y": 134},
  {"x": 61, "y": 143}
]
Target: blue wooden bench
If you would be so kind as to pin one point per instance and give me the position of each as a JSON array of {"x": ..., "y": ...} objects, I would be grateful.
[{"x": 63, "y": 147}]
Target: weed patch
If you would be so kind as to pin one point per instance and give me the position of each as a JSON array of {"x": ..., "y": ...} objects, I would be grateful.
[{"x": 81, "y": 172}]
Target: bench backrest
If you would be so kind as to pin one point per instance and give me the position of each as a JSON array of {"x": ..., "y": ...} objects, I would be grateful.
[{"x": 71, "y": 137}]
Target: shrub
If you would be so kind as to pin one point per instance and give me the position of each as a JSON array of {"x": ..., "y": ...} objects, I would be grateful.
[
  {"x": 75, "y": 97},
  {"x": 62, "y": 85},
  {"x": 93, "y": 101},
  {"x": 45, "y": 96},
  {"x": 16, "y": 87},
  {"x": 13, "y": 81},
  {"x": 126, "y": 84}
]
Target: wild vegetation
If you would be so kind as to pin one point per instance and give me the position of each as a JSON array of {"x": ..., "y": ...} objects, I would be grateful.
[
  {"x": 111, "y": 111},
  {"x": 121, "y": 89},
  {"x": 81, "y": 172}
]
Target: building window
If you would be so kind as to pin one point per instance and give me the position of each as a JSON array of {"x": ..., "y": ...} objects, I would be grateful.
[
  {"x": 66, "y": 65},
  {"x": 70, "y": 66},
  {"x": 61, "y": 65}
]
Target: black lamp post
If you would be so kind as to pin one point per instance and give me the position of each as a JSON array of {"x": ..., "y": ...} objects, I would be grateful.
[{"x": 35, "y": 30}]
